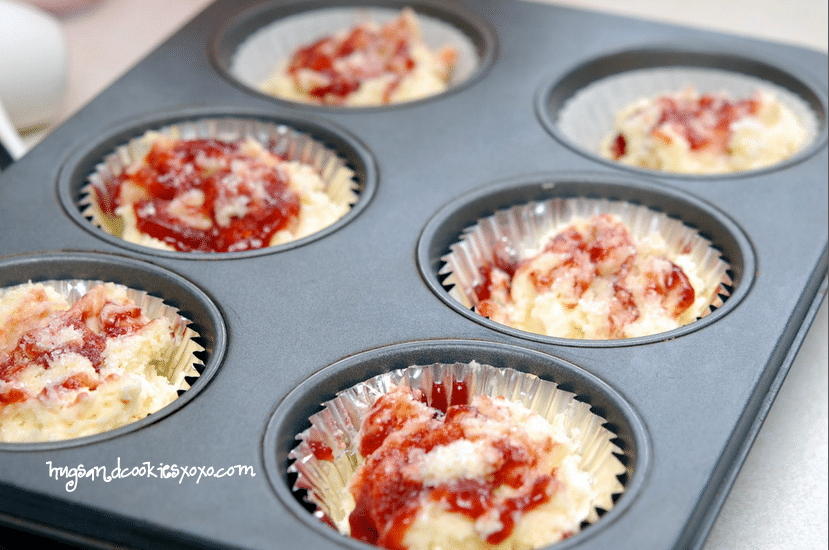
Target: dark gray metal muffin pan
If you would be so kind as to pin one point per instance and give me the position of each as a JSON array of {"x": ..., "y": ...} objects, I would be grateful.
[{"x": 284, "y": 329}]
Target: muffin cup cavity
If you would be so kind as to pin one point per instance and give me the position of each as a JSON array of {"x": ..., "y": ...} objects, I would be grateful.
[
  {"x": 580, "y": 108},
  {"x": 252, "y": 46},
  {"x": 462, "y": 241},
  {"x": 196, "y": 325},
  {"x": 614, "y": 447},
  {"x": 89, "y": 181}
]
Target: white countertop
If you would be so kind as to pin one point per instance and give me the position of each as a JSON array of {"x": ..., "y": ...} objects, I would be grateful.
[{"x": 779, "y": 501}]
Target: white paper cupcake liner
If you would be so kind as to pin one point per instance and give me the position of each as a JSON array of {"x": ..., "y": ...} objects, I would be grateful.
[
  {"x": 524, "y": 229},
  {"x": 272, "y": 45},
  {"x": 97, "y": 202},
  {"x": 337, "y": 426},
  {"x": 587, "y": 117}
]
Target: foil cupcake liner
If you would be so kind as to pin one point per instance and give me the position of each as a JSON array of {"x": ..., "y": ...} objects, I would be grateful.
[
  {"x": 524, "y": 229},
  {"x": 272, "y": 45},
  {"x": 590, "y": 114},
  {"x": 97, "y": 201},
  {"x": 336, "y": 427}
]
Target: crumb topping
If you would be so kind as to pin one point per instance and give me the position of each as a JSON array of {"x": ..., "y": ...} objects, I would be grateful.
[
  {"x": 489, "y": 461},
  {"x": 590, "y": 280},
  {"x": 689, "y": 132}
]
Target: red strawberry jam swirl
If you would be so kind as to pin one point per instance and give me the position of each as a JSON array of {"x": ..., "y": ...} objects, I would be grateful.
[
  {"x": 704, "y": 122},
  {"x": 47, "y": 335},
  {"x": 400, "y": 426},
  {"x": 342, "y": 62},
  {"x": 206, "y": 195}
]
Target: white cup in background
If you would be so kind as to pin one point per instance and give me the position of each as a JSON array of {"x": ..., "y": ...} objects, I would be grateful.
[{"x": 33, "y": 65}]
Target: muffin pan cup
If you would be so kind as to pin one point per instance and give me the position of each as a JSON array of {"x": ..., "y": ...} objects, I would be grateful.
[
  {"x": 580, "y": 108},
  {"x": 198, "y": 348},
  {"x": 338, "y": 184},
  {"x": 617, "y": 454},
  {"x": 89, "y": 179},
  {"x": 294, "y": 322},
  {"x": 528, "y": 212},
  {"x": 258, "y": 41}
]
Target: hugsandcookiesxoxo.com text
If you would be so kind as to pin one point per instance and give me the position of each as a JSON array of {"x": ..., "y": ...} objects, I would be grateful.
[{"x": 161, "y": 470}]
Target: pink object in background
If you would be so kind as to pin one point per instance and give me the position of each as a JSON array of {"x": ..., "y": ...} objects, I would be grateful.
[{"x": 64, "y": 7}]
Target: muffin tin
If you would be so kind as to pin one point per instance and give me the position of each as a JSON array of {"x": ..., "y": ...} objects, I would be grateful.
[{"x": 285, "y": 328}]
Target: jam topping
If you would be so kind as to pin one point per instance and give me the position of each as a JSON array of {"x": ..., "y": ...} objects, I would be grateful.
[
  {"x": 320, "y": 450},
  {"x": 443, "y": 396},
  {"x": 343, "y": 61},
  {"x": 405, "y": 469},
  {"x": 207, "y": 195},
  {"x": 704, "y": 121},
  {"x": 576, "y": 257},
  {"x": 50, "y": 336},
  {"x": 619, "y": 147},
  {"x": 381, "y": 57},
  {"x": 504, "y": 260}
]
